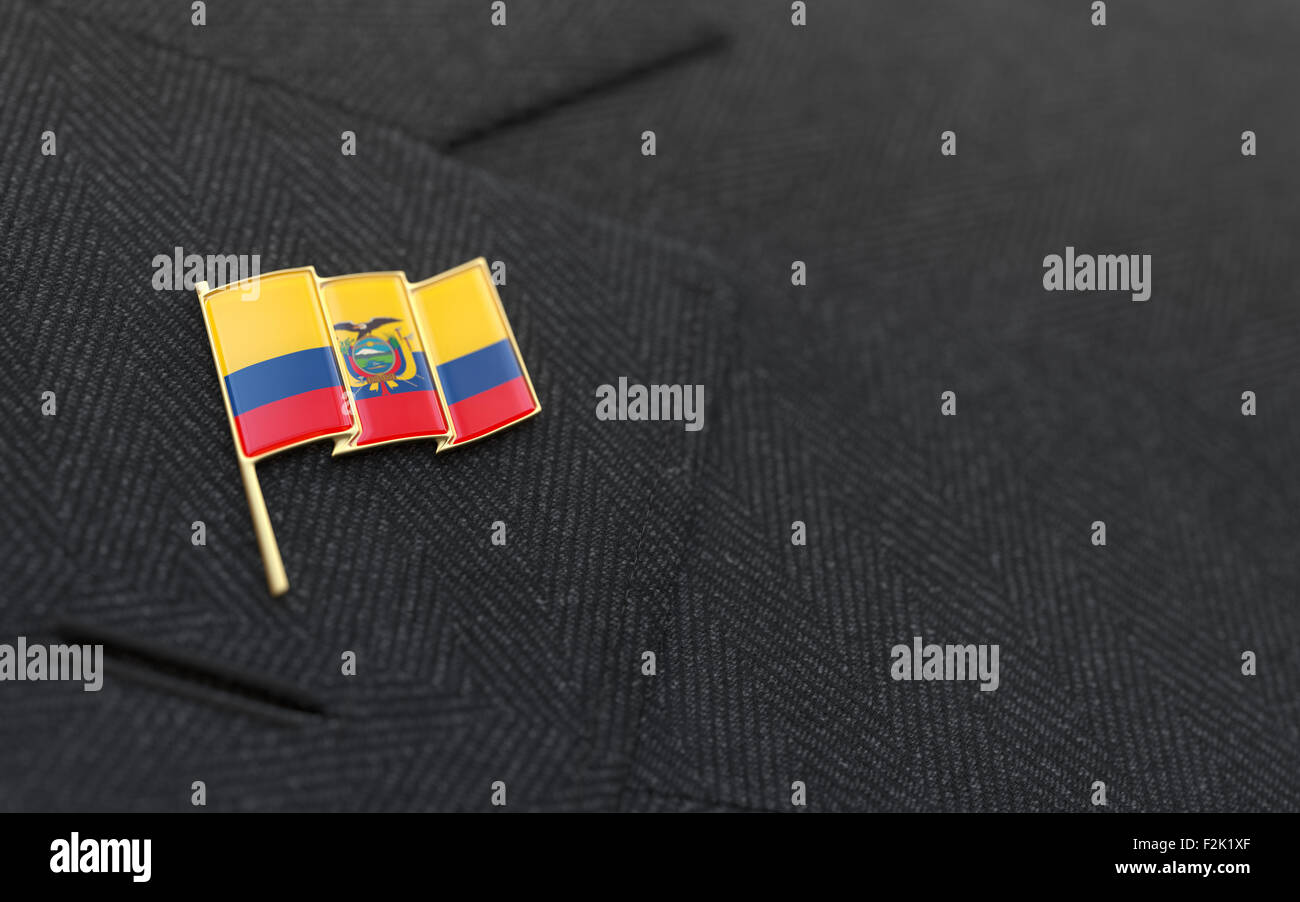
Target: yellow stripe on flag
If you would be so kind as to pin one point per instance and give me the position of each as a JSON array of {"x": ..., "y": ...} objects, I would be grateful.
[
  {"x": 284, "y": 316},
  {"x": 364, "y": 296},
  {"x": 458, "y": 312}
]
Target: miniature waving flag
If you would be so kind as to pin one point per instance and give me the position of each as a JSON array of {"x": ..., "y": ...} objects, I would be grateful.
[
  {"x": 280, "y": 377},
  {"x": 384, "y": 361},
  {"x": 475, "y": 358}
]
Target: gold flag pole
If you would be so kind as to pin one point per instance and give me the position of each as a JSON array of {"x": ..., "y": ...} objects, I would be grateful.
[{"x": 277, "y": 580}]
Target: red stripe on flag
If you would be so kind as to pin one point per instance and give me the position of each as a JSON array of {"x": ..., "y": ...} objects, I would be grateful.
[
  {"x": 408, "y": 414},
  {"x": 312, "y": 414},
  {"x": 479, "y": 414}
]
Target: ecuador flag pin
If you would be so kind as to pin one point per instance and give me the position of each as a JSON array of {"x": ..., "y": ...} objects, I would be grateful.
[{"x": 366, "y": 359}]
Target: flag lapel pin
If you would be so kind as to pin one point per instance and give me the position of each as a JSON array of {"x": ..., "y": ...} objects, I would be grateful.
[{"x": 366, "y": 359}]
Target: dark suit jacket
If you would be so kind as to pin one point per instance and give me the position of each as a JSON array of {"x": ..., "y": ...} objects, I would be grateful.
[{"x": 775, "y": 143}]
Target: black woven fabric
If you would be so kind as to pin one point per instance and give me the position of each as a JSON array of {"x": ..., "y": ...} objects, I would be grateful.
[
  {"x": 441, "y": 70},
  {"x": 521, "y": 663},
  {"x": 1122, "y": 664}
]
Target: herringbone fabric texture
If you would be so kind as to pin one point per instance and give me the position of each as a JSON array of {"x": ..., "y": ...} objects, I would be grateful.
[{"x": 521, "y": 663}]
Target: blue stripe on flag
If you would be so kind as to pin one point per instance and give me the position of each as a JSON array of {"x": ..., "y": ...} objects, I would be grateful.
[
  {"x": 479, "y": 371},
  {"x": 282, "y": 377}
]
